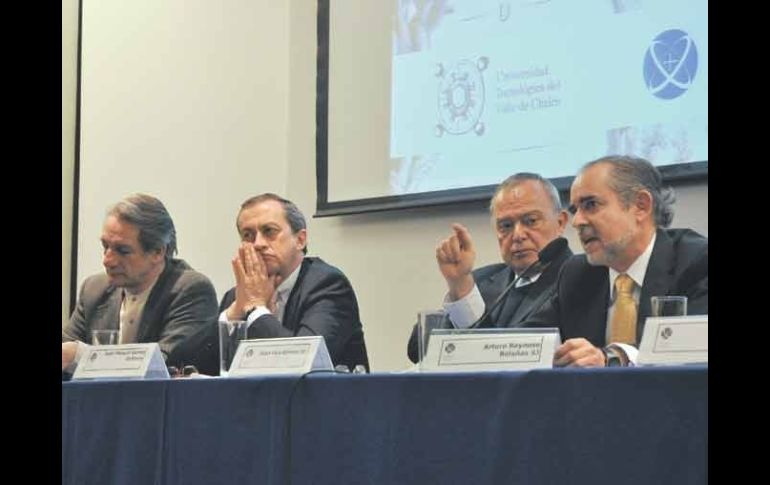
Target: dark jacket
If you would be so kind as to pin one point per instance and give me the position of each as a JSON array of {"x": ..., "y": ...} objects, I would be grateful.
[
  {"x": 491, "y": 281},
  {"x": 180, "y": 310},
  {"x": 322, "y": 302},
  {"x": 678, "y": 266}
]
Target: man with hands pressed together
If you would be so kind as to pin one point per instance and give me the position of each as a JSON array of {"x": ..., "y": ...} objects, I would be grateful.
[{"x": 282, "y": 293}]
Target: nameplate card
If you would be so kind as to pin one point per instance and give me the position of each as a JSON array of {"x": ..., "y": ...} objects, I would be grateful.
[
  {"x": 490, "y": 349},
  {"x": 125, "y": 361},
  {"x": 675, "y": 340},
  {"x": 290, "y": 355}
]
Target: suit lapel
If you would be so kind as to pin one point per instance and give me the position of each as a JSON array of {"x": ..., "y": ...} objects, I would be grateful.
[
  {"x": 497, "y": 283},
  {"x": 107, "y": 313},
  {"x": 151, "y": 317},
  {"x": 531, "y": 300},
  {"x": 657, "y": 278},
  {"x": 509, "y": 307},
  {"x": 541, "y": 290},
  {"x": 292, "y": 306}
]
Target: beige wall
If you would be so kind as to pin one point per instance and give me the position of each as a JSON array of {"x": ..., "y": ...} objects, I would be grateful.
[
  {"x": 387, "y": 256},
  {"x": 186, "y": 100},
  {"x": 69, "y": 27}
]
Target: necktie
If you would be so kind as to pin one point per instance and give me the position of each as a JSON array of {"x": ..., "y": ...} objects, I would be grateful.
[
  {"x": 623, "y": 325},
  {"x": 278, "y": 306}
]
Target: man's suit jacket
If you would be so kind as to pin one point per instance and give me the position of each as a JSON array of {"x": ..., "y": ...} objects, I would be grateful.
[
  {"x": 491, "y": 281},
  {"x": 322, "y": 302},
  {"x": 678, "y": 266},
  {"x": 180, "y": 310}
]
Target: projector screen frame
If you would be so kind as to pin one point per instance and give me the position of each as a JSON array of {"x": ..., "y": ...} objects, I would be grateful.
[{"x": 674, "y": 173}]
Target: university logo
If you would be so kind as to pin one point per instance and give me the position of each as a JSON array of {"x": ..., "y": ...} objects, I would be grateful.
[
  {"x": 461, "y": 97},
  {"x": 670, "y": 64}
]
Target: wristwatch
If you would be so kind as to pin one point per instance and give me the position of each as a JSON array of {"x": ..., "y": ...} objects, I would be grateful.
[
  {"x": 247, "y": 311},
  {"x": 613, "y": 357}
]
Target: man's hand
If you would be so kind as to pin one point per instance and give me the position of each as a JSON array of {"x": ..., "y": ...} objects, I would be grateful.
[
  {"x": 578, "y": 352},
  {"x": 253, "y": 286},
  {"x": 68, "y": 352},
  {"x": 455, "y": 256}
]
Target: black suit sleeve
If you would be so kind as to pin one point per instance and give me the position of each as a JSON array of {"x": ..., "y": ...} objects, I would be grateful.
[
  {"x": 545, "y": 316},
  {"x": 328, "y": 308},
  {"x": 190, "y": 315},
  {"x": 694, "y": 283}
]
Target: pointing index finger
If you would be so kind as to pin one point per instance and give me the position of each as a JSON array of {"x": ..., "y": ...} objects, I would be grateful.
[{"x": 463, "y": 236}]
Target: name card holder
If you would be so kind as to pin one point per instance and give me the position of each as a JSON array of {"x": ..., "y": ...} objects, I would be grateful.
[
  {"x": 290, "y": 355},
  {"x": 490, "y": 349},
  {"x": 125, "y": 361},
  {"x": 675, "y": 340}
]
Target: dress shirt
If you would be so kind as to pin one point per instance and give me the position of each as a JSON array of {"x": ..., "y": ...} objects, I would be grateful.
[
  {"x": 131, "y": 308},
  {"x": 636, "y": 272}
]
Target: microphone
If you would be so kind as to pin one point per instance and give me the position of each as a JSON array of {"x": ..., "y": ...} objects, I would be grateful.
[{"x": 544, "y": 258}]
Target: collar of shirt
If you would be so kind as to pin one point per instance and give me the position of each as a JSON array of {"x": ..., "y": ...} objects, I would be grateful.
[
  {"x": 636, "y": 271},
  {"x": 284, "y": 289},
  {"x": 131, "y": 309},
  {"x": 527, "y": 280},
  {"x": 131, "y": 299}
]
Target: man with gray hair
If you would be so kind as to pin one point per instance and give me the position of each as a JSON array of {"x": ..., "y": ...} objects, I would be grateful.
[
  {"x": 526, "y": 216},
  {"x": 621, "y": 212},
  {"x": 146, "y": 294}
]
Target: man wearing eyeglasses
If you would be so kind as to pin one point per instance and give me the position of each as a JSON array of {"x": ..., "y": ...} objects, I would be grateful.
[
  {"x": 621, "y": 211},
  {"x": 526, "y": 216}
]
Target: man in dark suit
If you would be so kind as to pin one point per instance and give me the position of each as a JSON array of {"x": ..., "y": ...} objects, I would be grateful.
[
  {"x": 146, "y": 294},
  {"x": 527, "y": 215},
  {"x": 620, "y": 211},
  {"x": 282, "y": 293}
]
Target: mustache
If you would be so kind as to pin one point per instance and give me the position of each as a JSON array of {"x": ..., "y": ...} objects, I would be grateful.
[{"x": 587, "y": 232}]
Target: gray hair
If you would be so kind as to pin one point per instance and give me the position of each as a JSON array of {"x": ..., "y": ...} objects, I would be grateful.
[
  {"x": 294, "y": 216},
  {"x": 629, "y": 175},
  {"x": 521, "y": 177},
  {"x": 149, "y": 215}
]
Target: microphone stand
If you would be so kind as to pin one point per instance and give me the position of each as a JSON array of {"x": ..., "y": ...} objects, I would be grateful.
[
  {"x": 550, "y": 252},
  {"x": 511, "y": 285}
]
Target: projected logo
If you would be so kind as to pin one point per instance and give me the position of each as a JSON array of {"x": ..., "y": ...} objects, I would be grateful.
[
  {"x": 670, "y": 64},
  {"x": 461, "y": 97}
]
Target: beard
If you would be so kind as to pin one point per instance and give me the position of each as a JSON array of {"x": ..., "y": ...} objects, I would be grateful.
[{"x": 610, "y": 252}]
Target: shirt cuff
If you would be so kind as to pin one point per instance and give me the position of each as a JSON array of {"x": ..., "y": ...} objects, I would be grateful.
[
  {"x": 465, "y": 311},
  {"x": 631, "y": 352},
  {"x": 256, "y": 313},
  {"x": 82, "y": 347}
]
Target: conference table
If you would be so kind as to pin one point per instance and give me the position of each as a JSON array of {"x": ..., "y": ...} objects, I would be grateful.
[{"x": 646, "y": 425}]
